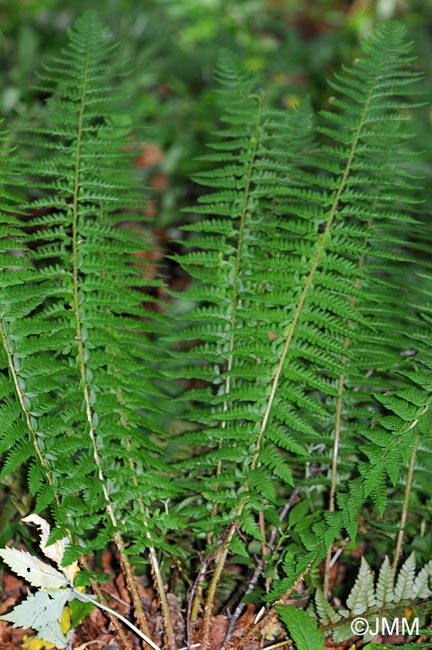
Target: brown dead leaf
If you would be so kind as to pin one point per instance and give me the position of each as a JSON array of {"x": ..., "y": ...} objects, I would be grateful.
[
  {"x": 331, "y": 645},
  {"x": 218, "y": 631},
  {"x": 159, "y": 182},
  {"x": 5, "y": 632},
  {"x": 151, "y": 156},
  {"x": 11, "y": 583},
  {"x": 245, "y": 621},
  {"x": 123, "y": 593}
]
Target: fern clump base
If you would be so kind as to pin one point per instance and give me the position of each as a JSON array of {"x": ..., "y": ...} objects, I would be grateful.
[{"x": 300, "y": 429}]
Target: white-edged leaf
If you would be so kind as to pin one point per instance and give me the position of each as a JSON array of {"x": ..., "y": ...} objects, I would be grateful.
[
  {"x": 301, "y": 627},
  {"x": 53, "y": 633},
  {"x": 384, "y": 592},
  {"x": 36, "y": 572},
  {"x": 421, "y": 583},
  {"x": 39, "y": 609},
  {"x": 362, "y": 596},
  {"x": 405, "y": 580},
  {"x": 54, "y": 551}
]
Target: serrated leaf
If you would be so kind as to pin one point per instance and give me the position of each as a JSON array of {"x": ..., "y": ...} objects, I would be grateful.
[
  {"x": 36, "y": 572},
  {"x": 53, "y": 634},
  {"x": 250, "y": 526},
  {"x": 405, "y": 580},
  {"x": 384, "y": 592},
  {"x": 239, "y": 548},
  {"x": 42, "y": 612},
  {"x": 362, "y": 595},
  {"x": 301, "y": 627}
]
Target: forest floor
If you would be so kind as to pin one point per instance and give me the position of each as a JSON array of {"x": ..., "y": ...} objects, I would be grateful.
[{"x": 96, "y": 633}]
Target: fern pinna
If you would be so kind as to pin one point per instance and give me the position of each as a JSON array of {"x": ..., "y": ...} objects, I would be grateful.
[{"x": 294, "y": 271}]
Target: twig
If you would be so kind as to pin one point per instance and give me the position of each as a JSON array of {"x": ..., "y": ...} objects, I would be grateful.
[
  {"x": 116, "y": 598},
  {"x": 132, "y": 585},
  {"x": 280, "y": 644},
  {"x": 152, "y": 554},
  {"x": 338, "y": 553},
  {"x": 220, "y": 560},
  {"x": 405, "y": 505}
]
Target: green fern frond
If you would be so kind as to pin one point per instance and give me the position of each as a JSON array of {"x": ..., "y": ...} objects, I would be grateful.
[
  {"x": 325, "y": 612},
  {"x": 74, "y": 329}
]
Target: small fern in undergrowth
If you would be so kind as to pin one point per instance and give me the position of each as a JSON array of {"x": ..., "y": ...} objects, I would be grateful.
[
  {"x": 387, "y": 599},
  {"x": 300, "y": 402},
  {"x": 371, "y": 607}
]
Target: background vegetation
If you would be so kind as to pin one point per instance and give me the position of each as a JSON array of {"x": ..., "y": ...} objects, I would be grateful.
[{"x": 174, "y": 47}]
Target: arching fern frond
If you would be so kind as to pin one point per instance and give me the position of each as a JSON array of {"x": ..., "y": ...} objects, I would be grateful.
[
  {"x": 73, "y": 319},
  {"x": 243, "y": 295}
]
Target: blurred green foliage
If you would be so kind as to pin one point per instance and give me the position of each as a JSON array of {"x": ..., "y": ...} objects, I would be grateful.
[{"x": 174, "y": 44}]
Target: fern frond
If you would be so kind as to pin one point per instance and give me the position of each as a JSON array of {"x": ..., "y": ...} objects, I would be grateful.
[
  {"x": 362, "y": 596},
  {"x": 375, "y": 602},
  {"x": 326, "y": 613},
  {"x": 74, "y": 331},
  {"x": 404, "y": 588}
]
